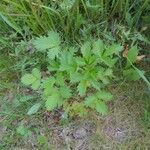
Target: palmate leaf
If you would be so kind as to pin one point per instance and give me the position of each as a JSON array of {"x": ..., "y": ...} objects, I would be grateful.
[{"x": 43, "y": 43}]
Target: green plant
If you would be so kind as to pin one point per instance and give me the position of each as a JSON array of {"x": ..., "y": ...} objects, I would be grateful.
[{"x": 77, "y": 76}]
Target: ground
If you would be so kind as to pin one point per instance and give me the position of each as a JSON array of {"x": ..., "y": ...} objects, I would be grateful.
[{"x": 125, "y": 126}]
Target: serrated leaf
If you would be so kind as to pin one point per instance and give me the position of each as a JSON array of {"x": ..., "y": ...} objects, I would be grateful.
[
  {"x": 98, "y": 47},
  {"x": 80, "y": 61},
  {"x": 34, "y": 109},
  {"x": 28, "y": 79},
  {"x": 54, "y": 66},
  {"x": 109, "y": 61},
  {"x": 132, "y": 55},
  {"x": 52, "y": 101},
  {"x": 103, "y": 95},
  {"x": 67, "y": 62},
  {"x": 36, "y": 73},
  {"x": 43, "y": 43},
  {"x": 86, "y": 49},
  {"x": 90, "y": 101},
  {"x": 101, "y": 107},
  {"x": 75, "y": 77},
  {"x": 82, "y": 88},
  {"x": 53, "y": 53},
  {"x": 112, "y": 49},
  {"x": 48, "y": 86},
  {"x": 65, "y": 92},
  {"x": 108, "y": 72},
  {"x": 36, "y": 84},
  {"x": 131, "y": 74}
]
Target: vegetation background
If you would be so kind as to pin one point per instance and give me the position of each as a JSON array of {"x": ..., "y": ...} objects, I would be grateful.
[{"x": 127, "y": 124}]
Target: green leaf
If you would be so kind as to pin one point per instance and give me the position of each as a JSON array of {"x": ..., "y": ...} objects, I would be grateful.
[
  {"x": 43, "y": 43},
  {"x": 90, "y": 101},
  {"x": 28, "y": 79},
  {"x": 75, "y": 77},
  {"x": 132, "y": 55},
  {"x": 65, "y": 92},
  {"x": 34, "y": 109},
  {"x": 109, "y": 61},
  {"x": 103, "y": 95},
  {"x": 113, "y": 49},
  {"x": 131, "y": 74},
  {"x": 101, "y": 107},
  {"x": 53, "y": 52},
  {"x": 108, "y": 72},
  {"x": 86, "y": 49},
  {"x": 23, "y": 131},
  {"x": 48, "y": 86},
  {"x": 36, "y": 84},
  {"x": 52, "y": 101},
  {"x": 36, "y": 73},
  {"x": 42, "y": 139},
  {"x": 82, "y": 88},
  {"x": 98, "y": 47},
  {"x": 67, "y": 62}
]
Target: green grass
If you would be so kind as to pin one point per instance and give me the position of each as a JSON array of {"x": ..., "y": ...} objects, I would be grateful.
[
  {"x": 124, "y": 117},
  {"x": 124, "y": 22}
]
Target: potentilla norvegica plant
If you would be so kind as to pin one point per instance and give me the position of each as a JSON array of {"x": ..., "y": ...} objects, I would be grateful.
[{"x": 77, "y": 78}]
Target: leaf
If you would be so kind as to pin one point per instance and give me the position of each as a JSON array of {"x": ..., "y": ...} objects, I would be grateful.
[
  {"x": 112, "y": 49},
  {"x": 132, "y": 55},
  {"x": 34, "y": 109},
  {"x": 103, "y": 95},
  {"x": 54, "y": 66},
  {"x": 101, "y": 107},
  {"x": 90, "y": 101},
  {"x": 53, "y": 52},
  {"x": 42, "y": 139},
  {"x": 98, "y": 47},
  {"x": 52, "y": 101},
  {"x": 86, "y": 49},
  {"x": 75, "y": 77},
  {"x": 108, "y": 72},
  {"x": 28, "y": 79},
  {"x": 109, "y": 61},
  {"x": 36, "y": 84},
  {"x": 67, "y": 62},
  {"x": 43, "y": 43},
  {"x": 131, "y": 74},
  {"x": 48, "y": 86},
  {"x": 23, "y": 131},
  {"x": 36, "y": 73},
  {"x": 82, "y": 88},
  {"x": 65, "y": 92}
]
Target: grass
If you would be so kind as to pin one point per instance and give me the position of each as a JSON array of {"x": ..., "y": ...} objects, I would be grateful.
[
  {"x": 127, "y": 125},
  {"x": 123, "y": 128}
]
